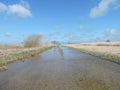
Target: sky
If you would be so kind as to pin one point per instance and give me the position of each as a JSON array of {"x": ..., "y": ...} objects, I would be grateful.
[{"x": 73, "y": 21}]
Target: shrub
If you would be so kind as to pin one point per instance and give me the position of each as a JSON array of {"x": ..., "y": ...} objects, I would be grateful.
[{"x": 33, "y": 40}]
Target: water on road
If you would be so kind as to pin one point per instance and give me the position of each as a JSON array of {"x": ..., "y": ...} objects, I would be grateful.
[{"x": 61, "y": 68}]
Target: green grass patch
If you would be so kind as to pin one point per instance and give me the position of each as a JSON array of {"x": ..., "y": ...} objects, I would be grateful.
[{"x": 2, "y": 63}]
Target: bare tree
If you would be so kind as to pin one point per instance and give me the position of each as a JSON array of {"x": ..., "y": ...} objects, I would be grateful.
[
  {"x": 108, "y": 40},
  {"x": 33, "y": 40}
]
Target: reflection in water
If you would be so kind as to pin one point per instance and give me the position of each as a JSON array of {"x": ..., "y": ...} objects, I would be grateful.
[
  {"x": 23, "y": 61},
  {"x": 48, "y": 72},
  {"x": 60, "y": 52}
]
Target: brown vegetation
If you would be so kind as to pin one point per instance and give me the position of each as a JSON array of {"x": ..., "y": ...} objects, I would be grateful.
[
  {"x": 33, "y": 40},
  {"x": 13, "y": 52},
  {"x": 11, "y": 55},
  {"x": 102, "y": 44},
  {"x": 107, "y": 50}
]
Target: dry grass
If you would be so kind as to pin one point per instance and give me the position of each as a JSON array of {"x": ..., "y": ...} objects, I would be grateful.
[
  {"x": 102, "y": 44},
  {"x": 33, "y": 40},
  {"x": 108, "y": 50},
  {"x": 11, "y": 53},
  {"x": 11, "y": 46}
]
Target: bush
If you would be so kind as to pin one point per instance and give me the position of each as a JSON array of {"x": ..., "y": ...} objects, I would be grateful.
[
  {"x": 33, "y": 40},
  {"x": 107, "y": 40}
]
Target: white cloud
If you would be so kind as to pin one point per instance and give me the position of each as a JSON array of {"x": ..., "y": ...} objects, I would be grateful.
[
  {"x": 54, "y": 33},
  {"x": 109, "y": 34},
  {"x": 85, "y": 28},
  {"x": 113, "y": 32},
  {"x": 117, "y": 6},
  {"x": 81, "y": 27},
  {"x": 25, "y": 4},
  {"x": 20, "y": 10},
  {"x": 101, "y": 37},
  {"x": 8, "y": 34},
  {"x": 3, "y": 7},
  {"x": 102, "y": 8}
]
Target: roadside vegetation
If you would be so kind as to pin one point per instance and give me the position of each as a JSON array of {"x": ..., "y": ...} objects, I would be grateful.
[
  {"x": 13, "y": 52},
  {"x": 106, "y": 50},
  {"x": 33, "y": 41}
]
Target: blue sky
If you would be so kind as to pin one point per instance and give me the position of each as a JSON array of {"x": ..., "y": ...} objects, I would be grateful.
[{"x": 61, "y": 20}]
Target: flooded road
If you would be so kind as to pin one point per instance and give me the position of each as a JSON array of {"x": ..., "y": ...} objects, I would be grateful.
[{"x": 61, "y": 68}]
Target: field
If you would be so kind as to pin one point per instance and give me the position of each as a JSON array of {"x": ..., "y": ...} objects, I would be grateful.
[
  {"x": 107, "y": 50},
  {"x": 13, "y": 52}
]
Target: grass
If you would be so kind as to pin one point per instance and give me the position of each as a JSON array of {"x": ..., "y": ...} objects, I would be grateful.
[
  {"x": 102, "y": 55},
  {"x": 2, "y": 62},
  {"x": 106, "y": 50},
  {"x": 11, "y": 46},
  {"x": 102, "y": 44},
  {"x": 3, "y": 66},
  {"x": 21, "y": 55}
]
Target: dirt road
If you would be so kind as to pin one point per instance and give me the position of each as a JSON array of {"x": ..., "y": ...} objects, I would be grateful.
[{"x": 62, "y": 69}]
